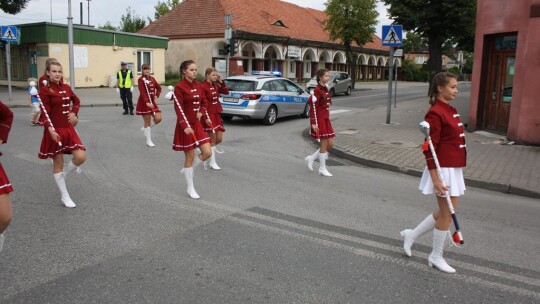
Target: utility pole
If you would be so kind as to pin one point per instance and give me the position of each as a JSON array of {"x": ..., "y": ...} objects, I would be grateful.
[
  {"x": 88, "y": 12},
  {"x": 70, "y": 47}
]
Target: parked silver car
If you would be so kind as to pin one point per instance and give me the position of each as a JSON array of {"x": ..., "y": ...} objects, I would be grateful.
[
  {"x": 263, "y": 97},
  {"x": 340, "y": 82}
]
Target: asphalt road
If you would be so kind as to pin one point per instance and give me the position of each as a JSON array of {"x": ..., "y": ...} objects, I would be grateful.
[{"x": 266, "y": 229}]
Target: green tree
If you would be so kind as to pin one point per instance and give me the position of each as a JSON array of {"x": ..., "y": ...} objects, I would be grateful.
[
  {"x": 414, "y": 43},
  {"x": 164, "y": 7},
  {"x": 131, "y": 22},
  {"x": 108, "y": 26},
  {"x": 13, "y": 6},
  {"x": 351, "y": 21},
  {"x": 439, "y": 22}
]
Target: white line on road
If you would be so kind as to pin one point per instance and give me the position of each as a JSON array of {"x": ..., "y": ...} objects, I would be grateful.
[{"x": 339, "y": 111}]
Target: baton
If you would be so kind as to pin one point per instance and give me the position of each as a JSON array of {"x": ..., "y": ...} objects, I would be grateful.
[
  {"x": 171, "y": 89},
  {"x": 58, "y": 138}
]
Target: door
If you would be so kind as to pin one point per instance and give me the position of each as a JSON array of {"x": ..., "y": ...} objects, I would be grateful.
[
  {"x": 499, "y": 88},
  {"x": 32, "y": 67}
]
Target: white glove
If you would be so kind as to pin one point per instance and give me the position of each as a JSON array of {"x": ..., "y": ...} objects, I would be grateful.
[
  {"x": 169, "y": 95},
  {"x": 313, "y": 98},
  {"x": 33, "y": 91},
  {"x": 117, "y": 90},
  {"x": 131, "y": 89}
]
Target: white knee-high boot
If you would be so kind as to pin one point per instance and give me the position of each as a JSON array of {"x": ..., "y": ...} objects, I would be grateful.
[
  {"x": 410, "y": 235},
  {"x": 435, "y": 259},
  {"x": 322, "y": 164},
  {"x": 148, "y": 135},
  {"x": 311, "y": 158},
  {"x": 188, "y": 173},
  {"x": 213, "y": 163},
  {"x": 61, "y": 183}
]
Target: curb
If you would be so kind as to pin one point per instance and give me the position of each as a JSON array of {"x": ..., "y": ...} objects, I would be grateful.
[{"x": 499, "y": 187}]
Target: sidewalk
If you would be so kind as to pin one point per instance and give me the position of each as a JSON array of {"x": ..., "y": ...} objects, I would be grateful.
[{"x": 366, "y": 139}]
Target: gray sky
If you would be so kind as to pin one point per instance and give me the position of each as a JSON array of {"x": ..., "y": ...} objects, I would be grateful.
[{"x": 102, "y": 11}]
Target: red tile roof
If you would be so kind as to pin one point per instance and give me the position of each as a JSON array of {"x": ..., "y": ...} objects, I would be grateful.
[{"x": 205, "y": 18}]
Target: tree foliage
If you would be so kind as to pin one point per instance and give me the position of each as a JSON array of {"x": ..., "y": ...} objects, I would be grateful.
[
  {"x": 351, "y": 21},
  {"x": 164, "y": 7},
  {"x": 13, "y": 6},
  {"x": 131, "y": 22},
  {"x": 440, "y": 22},
  {"x": 414, "y": 43},
  {"x": 108, "y": 26}
]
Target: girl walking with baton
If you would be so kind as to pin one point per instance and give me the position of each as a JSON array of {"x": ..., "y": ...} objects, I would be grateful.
[
  {"x": 149, "y": 91},
  {"x": 60, "y": 107},
  {"x": 448, "y": 138},
  {"x": 189, "y": 134},
  {"x": 212, "y": 87},
  {"x": 319, "y": 118}
]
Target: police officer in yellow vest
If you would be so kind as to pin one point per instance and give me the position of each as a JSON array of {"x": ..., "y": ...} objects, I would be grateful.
[{"x": 124, "y": 86}]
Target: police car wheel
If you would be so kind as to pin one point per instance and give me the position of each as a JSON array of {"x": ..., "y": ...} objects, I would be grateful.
[
  {"x": 305, "y": 114},
  {"x": 271, "y": 116},
  {"x": 348, "y": 91},
  {"x": 332, "y": 92}
]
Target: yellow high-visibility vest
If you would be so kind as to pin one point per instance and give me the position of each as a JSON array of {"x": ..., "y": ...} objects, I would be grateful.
[{"x": 121, "y": 80}]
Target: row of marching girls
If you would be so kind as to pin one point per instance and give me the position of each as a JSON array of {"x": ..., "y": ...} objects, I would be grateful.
[{"x": 194, "y": 102}]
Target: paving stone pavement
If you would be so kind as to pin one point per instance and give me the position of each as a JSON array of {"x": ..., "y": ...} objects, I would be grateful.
[{"x": 365, "y": 138}]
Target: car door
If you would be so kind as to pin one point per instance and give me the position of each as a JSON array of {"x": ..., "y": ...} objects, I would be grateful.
[
  {"x": 338, "y": 85},
  {"x": 295, "y": 100}
]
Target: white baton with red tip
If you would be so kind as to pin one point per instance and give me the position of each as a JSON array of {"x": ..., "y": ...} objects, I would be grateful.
[
  {"x": 171, "y": 88},
  {"x": 313, "y": 100},
  {"x": 34, "y": 90}
]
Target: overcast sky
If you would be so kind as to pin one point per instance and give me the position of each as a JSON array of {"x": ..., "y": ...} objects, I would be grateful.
[{"x": 102, "y": 11}]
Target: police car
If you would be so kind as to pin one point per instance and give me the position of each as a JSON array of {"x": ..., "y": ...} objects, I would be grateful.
[{"x": 263, "y": 95}]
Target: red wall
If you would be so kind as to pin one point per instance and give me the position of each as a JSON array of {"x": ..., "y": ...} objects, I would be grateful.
[{"x": 503, "y": 16}]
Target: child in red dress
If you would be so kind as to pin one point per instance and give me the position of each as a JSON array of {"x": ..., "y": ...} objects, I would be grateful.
[
  {"x": 6, "y": 119},
  {"x": 149, "y": 91},
  {"x": 60, "y": 107},
  {"x": 189, "y": 104},
  {"x": 212, "y": 87}
]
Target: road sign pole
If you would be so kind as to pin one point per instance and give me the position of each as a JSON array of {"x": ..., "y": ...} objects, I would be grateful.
[
  {"x": 390, "y": 70},
  {"x": 70, "y": 47},
  {"x": 8, "y": 61},
  {"x": 395, "y": 86}
]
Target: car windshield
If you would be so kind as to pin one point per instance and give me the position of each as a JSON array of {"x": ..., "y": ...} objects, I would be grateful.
[{"x": 241, "y": 85}]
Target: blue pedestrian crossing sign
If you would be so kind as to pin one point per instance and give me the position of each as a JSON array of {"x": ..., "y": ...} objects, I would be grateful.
[
  {"x": 9, "y": 33},
  {"x": 392, "y": 35}
]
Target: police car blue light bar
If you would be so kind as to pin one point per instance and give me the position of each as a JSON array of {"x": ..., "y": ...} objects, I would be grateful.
[{"x": 268, "y": 73}]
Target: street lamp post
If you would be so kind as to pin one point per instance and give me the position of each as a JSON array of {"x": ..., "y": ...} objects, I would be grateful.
[{"x": 70, "y": 47}]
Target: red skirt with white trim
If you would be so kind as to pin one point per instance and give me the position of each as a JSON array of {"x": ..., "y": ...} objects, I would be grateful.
[
  {"x": 70, "y": 142},
  {"x": 143, "y": 109},
  {"x": 5, "y": 184},
  {"x": 217, "y": 123},
  {"x": 325, "y": 130},
  {"x": 185, "y": 142}
]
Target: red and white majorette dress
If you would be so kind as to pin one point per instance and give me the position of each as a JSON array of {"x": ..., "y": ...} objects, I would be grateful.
[
  {"x": 321, "y": 110},
  {"x": 6, "y": 119},
  {"x": 448, "y": 136},
  {"x": 147, "y": 86},
  {"x": 58, "y": 100},
  {"x": 191, "y": 99},
  {"x": 212, "y": 91}
]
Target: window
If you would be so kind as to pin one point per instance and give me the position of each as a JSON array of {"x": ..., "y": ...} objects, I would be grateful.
[
  {"x": 292, "y": 67},
  {"x": 142, "y": 58},
  {"x": 278, "y": 86},
  {"x": 307, "y": 64},
  {"x": 291, "y": 87}
]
